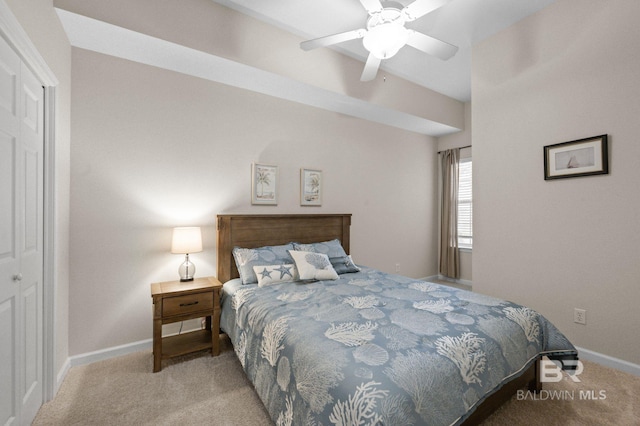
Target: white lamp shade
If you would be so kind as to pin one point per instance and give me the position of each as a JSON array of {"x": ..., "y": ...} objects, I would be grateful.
[{"x": 186, "y": 239}]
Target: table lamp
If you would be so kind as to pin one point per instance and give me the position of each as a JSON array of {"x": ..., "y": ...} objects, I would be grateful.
[{"x": 186, "y": 240}]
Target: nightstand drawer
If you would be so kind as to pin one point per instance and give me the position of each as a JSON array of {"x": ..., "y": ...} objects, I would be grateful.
[{"x": 186, "y": 304}]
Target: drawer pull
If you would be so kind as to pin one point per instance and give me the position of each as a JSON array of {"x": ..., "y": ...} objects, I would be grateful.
[{"x": 189, "y": 304}]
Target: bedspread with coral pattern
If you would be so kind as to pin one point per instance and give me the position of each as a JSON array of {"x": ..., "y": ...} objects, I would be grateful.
[{"x": 377, "y": 349}]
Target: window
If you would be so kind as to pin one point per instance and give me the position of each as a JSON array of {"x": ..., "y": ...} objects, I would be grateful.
[{"x": 465, "y": 205}]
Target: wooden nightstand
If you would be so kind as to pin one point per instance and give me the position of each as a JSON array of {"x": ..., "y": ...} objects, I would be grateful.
[{"x": 178, "y": 301}]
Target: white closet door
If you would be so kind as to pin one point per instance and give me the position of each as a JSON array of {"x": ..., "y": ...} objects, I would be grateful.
[
  {"x": 31, "y": 249},
  {"x": 21, "y": 239}
]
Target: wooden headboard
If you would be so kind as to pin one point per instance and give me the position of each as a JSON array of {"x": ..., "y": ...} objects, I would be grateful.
[{"x": 250, "y": 231}]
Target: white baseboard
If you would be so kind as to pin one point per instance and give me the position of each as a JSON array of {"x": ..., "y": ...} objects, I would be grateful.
[
  {"x": 609, "y": 361},
  {"x": 443, "y": 278},
  {"x": 90, "y": 357},
  {"x": 62, "y": 374},
  {"x": 112, "y": 352}
]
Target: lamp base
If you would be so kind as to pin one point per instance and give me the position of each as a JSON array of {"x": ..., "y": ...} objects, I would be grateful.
[{"x": 186, "y": 270}]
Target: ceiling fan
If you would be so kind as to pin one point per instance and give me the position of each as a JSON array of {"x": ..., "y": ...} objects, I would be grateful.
[{"x": 386, "y": 34}]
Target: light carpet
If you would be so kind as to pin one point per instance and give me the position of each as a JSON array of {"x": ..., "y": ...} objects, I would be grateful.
[{"x": 199, "y": 389}]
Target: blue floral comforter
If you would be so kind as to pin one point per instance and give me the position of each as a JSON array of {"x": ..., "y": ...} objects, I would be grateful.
[{"x": 372, "y": 348}]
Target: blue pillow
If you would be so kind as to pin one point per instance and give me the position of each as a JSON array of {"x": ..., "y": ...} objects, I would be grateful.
[
  {"x": 342, "y": 263},
  {"x": 246, "y": 259}
]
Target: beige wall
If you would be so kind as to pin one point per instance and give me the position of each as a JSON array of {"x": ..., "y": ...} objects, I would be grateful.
[
  {"x": 568, "y": 72},
  {"x": 153, "y": 149},
  {"x": 459, "y": 139},
  {"x": 39, "y": 20}
]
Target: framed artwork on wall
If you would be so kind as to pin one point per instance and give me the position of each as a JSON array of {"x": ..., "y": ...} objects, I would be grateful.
[
  {"x": 582, "y": 157},
  {"x": 264, "y": 184},
  {"x": 310, "y": 187}
]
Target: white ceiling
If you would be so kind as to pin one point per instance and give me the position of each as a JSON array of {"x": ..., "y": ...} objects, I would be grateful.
[
  {"x": 463, "y": 23},
  {"x": 91, "y": 34},
  {"x": 460, "y": 22}
]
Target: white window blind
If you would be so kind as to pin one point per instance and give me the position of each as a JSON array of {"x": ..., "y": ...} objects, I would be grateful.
[{"x": 465, "y": 204}]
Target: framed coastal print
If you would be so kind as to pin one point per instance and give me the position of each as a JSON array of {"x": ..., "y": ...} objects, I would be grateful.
[
  {"x": 582, "y": 157},
  {"x": 264, "y": 184},
  {"x": 310, "y": 187}
]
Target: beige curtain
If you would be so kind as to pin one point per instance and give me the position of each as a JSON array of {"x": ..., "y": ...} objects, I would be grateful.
[{"x": 449, "y": 253}]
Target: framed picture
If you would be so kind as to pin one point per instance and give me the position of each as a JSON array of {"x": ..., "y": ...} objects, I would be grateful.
[
  {"x": 583, "y": 157},
  {"x": 310, "y": 187},
  {"x": 264, "y": 184}
]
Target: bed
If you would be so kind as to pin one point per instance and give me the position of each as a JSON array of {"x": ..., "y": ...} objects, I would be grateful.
[{"x": 368, "y": 347}]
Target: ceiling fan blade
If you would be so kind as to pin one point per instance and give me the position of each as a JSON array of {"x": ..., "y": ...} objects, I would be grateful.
[
  {"x": 372, "y": 5},
  {"x": 431, "y": 45},
  {"x": 332, "y": 39},
  {"x": 420, "y": 8},
  {"x": 370, "y": 68}
]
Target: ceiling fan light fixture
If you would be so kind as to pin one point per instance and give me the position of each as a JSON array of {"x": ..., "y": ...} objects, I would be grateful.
[
  {"x": 386, "y": 34},
  {"x": 385, "y": 40}
]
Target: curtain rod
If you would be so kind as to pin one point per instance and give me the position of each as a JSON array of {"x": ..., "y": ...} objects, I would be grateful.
[{"x": 461, "y": 147}]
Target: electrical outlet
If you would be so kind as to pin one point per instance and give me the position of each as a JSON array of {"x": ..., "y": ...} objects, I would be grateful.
[
  {"x": 397, "y": 268},
  {"x": 580, "y": 316}
]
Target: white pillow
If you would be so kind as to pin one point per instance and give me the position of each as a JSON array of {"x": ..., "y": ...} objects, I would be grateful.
[
  {"x": 273, "y": 274},
  {"x": 313, "y": 266}
]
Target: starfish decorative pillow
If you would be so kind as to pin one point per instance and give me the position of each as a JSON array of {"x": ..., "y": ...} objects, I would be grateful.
[{"x": 273, "y": 274}]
